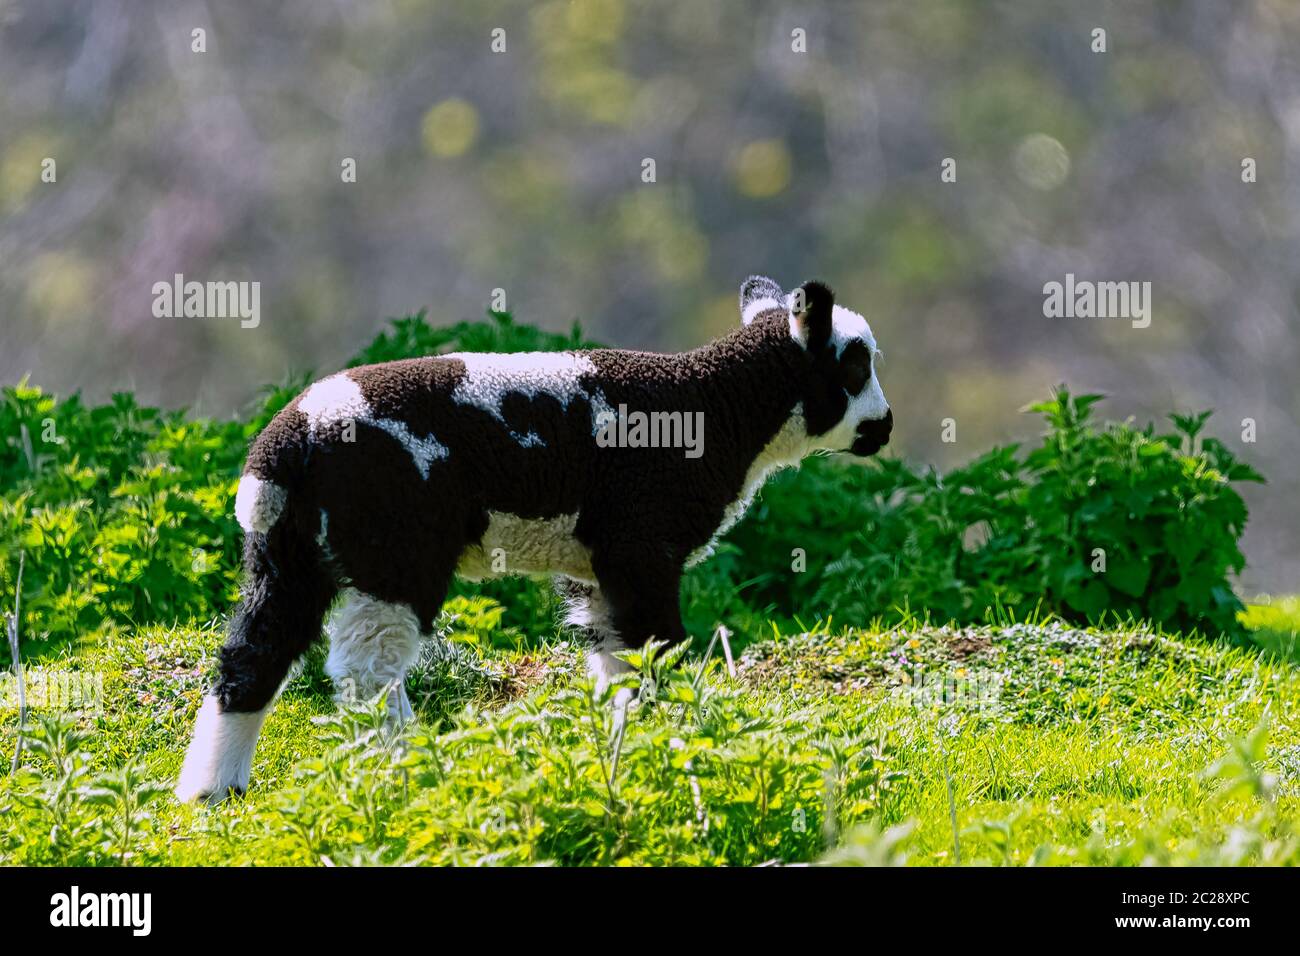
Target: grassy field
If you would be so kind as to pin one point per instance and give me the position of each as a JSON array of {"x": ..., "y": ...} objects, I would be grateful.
[{"x": 1015, "y": 744}]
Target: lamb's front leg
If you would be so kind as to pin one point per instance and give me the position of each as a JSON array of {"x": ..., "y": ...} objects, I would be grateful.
[{"x": 643, "y": 603}]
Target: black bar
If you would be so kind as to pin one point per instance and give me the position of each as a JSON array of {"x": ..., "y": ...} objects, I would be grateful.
[{"x": 242, "y": 907}]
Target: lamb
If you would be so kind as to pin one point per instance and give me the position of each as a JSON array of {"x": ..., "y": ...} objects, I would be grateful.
[{"x": 377, "y": 484}]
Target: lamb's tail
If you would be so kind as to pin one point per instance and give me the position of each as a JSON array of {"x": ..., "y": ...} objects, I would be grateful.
[
  {"x": 275, "y": 467},
  {"x": 259, "y": 503}
]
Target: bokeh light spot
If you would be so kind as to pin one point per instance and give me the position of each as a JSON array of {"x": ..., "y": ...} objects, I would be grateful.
[
  {"x": 763, "y": 168},
  {"x": 1041, "y": 161},
  {"x": 450, "y": 128}
]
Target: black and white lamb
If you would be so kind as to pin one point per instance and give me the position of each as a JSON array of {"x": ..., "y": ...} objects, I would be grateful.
[{"x": 611, "y": 470}]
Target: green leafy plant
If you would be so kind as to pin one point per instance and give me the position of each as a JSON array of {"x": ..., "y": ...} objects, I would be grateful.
[
  {"x": 122, "y": 511},
  {"x": 1099, "y": 521},
  {"x": 82, "y": 817}
]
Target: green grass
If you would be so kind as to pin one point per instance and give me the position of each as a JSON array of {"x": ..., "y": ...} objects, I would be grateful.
[
  {"x": 1048, "y": 743},
  {"x": 1274, "y": 625}
]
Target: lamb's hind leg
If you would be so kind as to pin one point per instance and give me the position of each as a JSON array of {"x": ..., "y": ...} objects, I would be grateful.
[
  {"x": 587, "y": 610},
  {"x": 373, "y": 644}
]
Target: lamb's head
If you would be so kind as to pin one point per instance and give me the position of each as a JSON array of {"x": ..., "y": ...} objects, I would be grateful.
[{"x": 844, "y": 407}]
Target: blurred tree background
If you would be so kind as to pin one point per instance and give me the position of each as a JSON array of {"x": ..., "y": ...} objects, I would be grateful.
[{"x": 522, "y": 170}]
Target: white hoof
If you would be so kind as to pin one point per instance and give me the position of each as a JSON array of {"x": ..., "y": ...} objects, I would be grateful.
[
  {"x": 400, "y": 711},
  {"x": 604, "y": 667}
]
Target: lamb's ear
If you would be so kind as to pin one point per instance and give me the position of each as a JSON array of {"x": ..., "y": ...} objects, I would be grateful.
[
  {"x": 759, "y": 294},
  {"x": 811, "y": 308}
]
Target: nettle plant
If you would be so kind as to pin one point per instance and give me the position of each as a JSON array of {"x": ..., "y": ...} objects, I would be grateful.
[
  {"x": 121, "y": 512},
  {"x": 1134, "y": 522},
  {"x": 691, "y": 773},
  {"x": 1098, "y": 522}
]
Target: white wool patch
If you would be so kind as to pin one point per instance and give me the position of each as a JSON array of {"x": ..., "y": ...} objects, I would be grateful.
[
  {"x": 787, "y": 448},
  {"x": 590, "y": 611},
  {"x": 338, "y": 399},
  {"x": 333, "y": 400},
  {"x": 258, "y": 503},
  {"x": 373, "y": 644},
  {"x": 220, "y": 757},
  {"x": 490, "y": 377},
  {"x": 515, "y": 545}
]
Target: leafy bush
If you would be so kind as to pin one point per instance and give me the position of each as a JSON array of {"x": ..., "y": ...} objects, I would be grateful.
[
  {"x": 123, "y": 513},
  {"x": 1095, "y": 522},
  {"x": 76, "y": 813},
  {"x": 412, "y": 337}
]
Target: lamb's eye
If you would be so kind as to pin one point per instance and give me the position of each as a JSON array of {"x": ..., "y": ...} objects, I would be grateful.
[{"x": 855, "y": 367}]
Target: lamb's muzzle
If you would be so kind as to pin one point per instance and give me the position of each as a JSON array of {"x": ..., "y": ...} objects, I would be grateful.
[{"x": 873, "y": 435}]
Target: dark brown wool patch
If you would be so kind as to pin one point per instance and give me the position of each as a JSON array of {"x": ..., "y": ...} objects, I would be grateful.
[{"x": 397, "y": 535}]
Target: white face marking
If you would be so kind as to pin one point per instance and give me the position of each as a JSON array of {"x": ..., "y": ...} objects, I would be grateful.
[
  {"x": 258, "y": 503},
  {"x": 338, "y": 399},
  {"x": 490, "y": 377},
  {"x": 221, "y": 754},
  {"x": 846, "y": 326},
  {"x": 515, "y": 545},
  {"x": 869, "y": 404}
]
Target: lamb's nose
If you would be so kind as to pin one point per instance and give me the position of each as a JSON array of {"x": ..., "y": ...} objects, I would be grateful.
[
  {"x": 877, "y": 430},
  {"x": 880, "y": 427}
]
